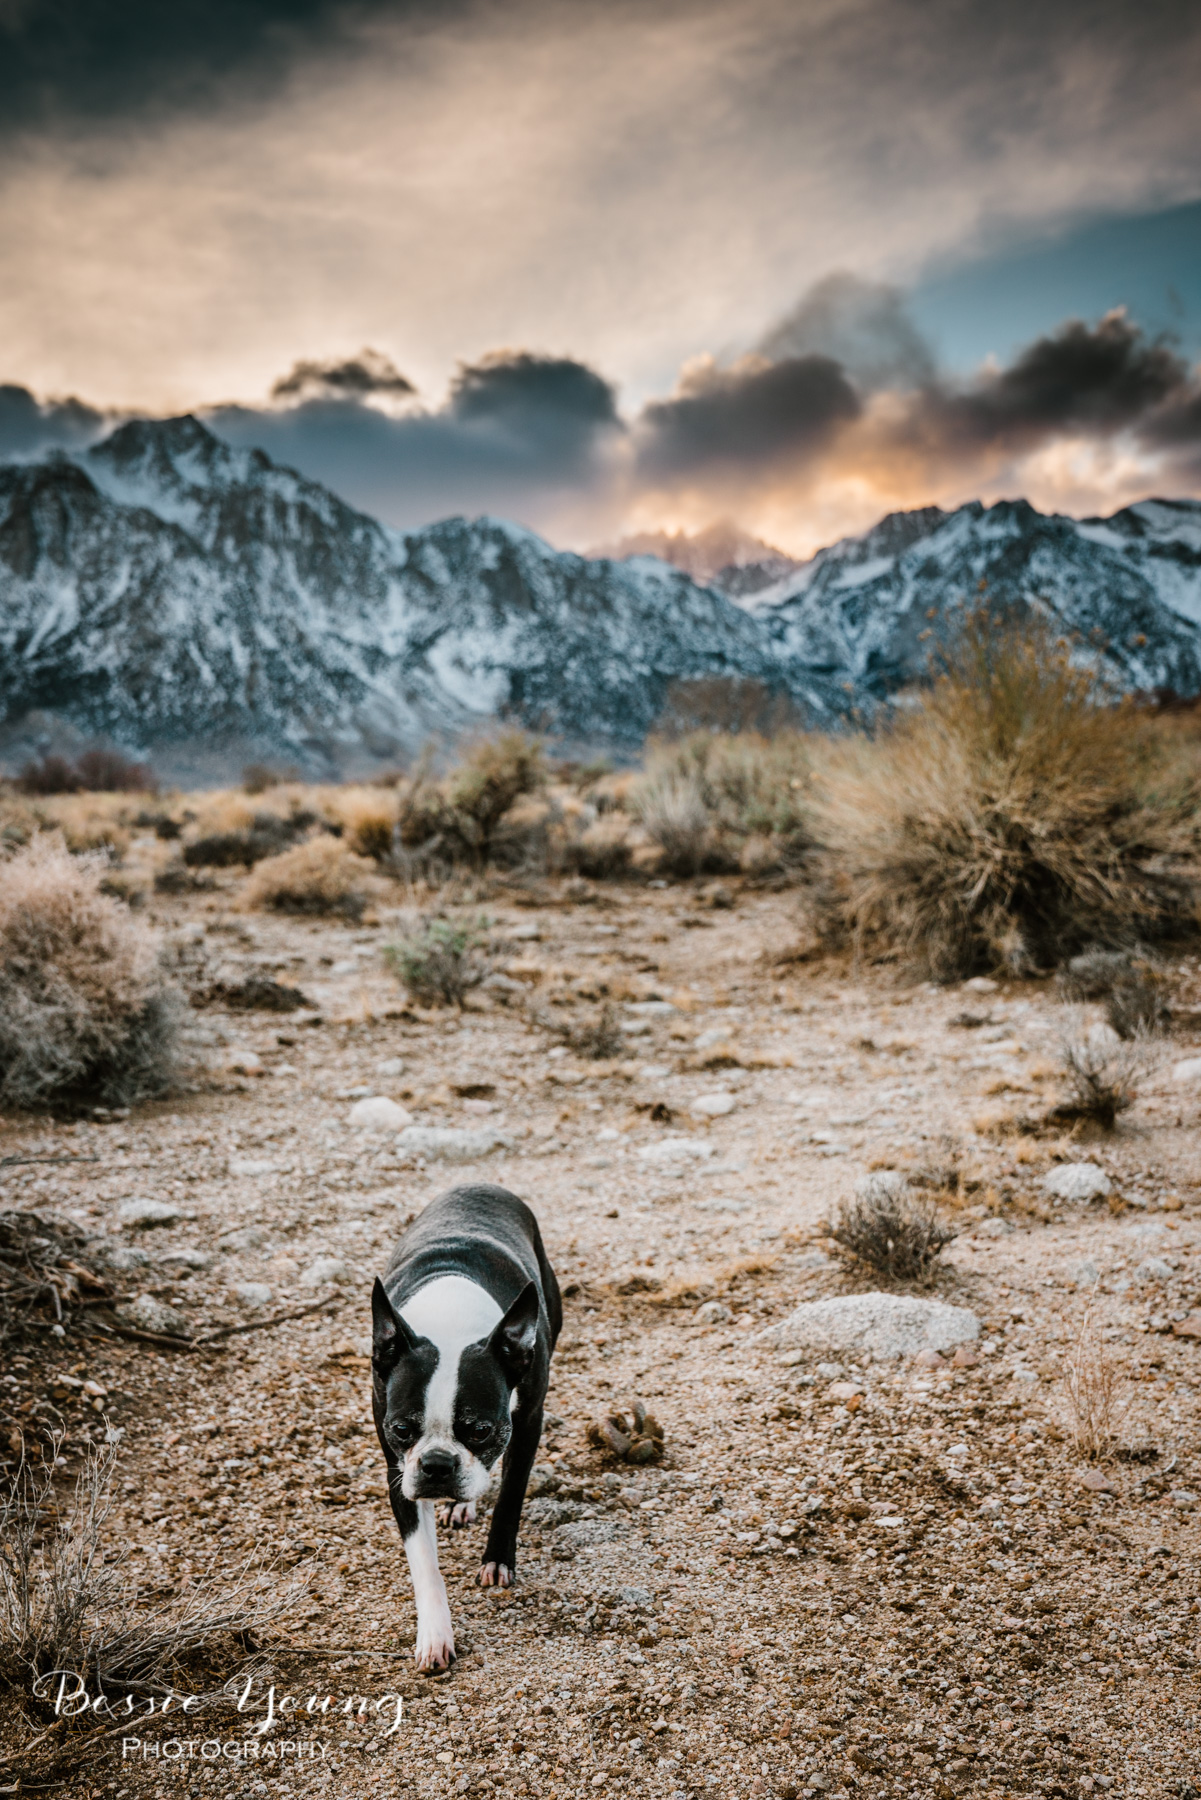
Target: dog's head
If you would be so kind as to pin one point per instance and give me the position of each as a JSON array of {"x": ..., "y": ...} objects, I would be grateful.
[{"x": 446, "y": 1411}]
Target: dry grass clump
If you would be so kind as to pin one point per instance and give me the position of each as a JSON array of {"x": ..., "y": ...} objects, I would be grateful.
[
  {"x": 440, "y": 962},
  {"x": 366, "y": 817},
  {"x": 714, "y": 802},
  {"x": 268, "y": 834},
  {"x": 94, "y": 772},
  {"x": 1097, "y": 1395},
  {"x": 85, "y": 1014},
  {"x": 1013, "y": 817},
  {"x": 459, "y": 819},
  {"x": 895, "y": 1232},
  {"x": 1102, "y": 1075},
  {"x": 319, "y": 877},
  {"x": 1131, "y": 986}
]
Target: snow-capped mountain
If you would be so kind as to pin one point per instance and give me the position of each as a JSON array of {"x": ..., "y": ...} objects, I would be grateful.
[
  {"x": 202, "y": 605},
  {"x": 860, "y": 615},
  {"x": 166, "y": 590}
]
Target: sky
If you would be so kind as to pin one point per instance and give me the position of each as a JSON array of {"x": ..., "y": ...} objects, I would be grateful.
[{"x": 604, "y": 266}]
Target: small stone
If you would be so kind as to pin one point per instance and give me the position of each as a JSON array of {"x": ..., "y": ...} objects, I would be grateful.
[
  {"x": 142, "y": 1214},
  {"x": 650, "y": 1009},
  {"x": 1086, "y": 1274},
  {"x": 713, "y": 1106},
  {"x": 965, "y": 1358},
  {"x": 444, "y": 1143},
  {"x": 126, "y": 1256},
  {"x": 241, "y": 1166},
  {"x": 980, "y": 984},
  {"x": 713, "y": 1312},
  {"x": 1189, "y": 1326},
  {"x": 1096, "y": 1483},
  {"x": 323, "y": 1272},
  {"x": 880, "y": 1324},
  {"x": 148, "y": 1314},
  {"x": 1183, "y": 1499},
  {"x": 882, "y": 1184},
  {"x": 378, "y": 1114},
  {"x": 1077, "y": 1181},
  {"x": 185, "y": 1258},
  {"x": 391, "y": 1065},
  {"x": 248, "y": 1237},
  {"x": 252, "y": 1293},
  {"x": 1154, "y": 1269},
  {"x": 994, "y": 1228},
  {"x": 244, "y": 1062},
  {"x": 675, "y": 1149},
  {"x": 929, "y": 1359},
  {"x": 1189, "y": 1070},
  {"x": 841, "y": 1391},
  {"x": 527, "y": 931}
]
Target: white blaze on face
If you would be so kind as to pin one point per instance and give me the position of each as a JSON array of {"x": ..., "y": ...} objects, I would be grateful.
[{"x": 451, "y": 1312}]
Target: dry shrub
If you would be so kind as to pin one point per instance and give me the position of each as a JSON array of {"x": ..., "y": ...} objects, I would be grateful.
[
  {"x": 84, "y": 1011},
  {"x": 602, "y": 851},
  {"x": 1102, "y": 1074},
  {"x": 440, "y": 962},
  {"x": 1097, "y": 1395},
  {"x": 320, "y": 877},
  {"x": 895, "y": 1232},
  {"x": 458, "y": 819},
  {"x": 1012, "y": 817},
  {"x": 94, "y": 772},
  {"x": 709, "y": 800},
  {"x": 366, "y": 817},
  {"x": 1132, "y": 987},
  {"x": 267, "y": 834}
]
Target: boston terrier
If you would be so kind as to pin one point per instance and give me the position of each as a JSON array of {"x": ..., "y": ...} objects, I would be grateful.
[{"x": 465, "y": 1321}]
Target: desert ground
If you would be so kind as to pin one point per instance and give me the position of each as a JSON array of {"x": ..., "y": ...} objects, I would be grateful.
[{"x": 843, "y": 1576}]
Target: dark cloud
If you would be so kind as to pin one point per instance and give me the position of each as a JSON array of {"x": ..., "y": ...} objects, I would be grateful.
[
  {"x": 355, "y": 378},
  {"x": 861, "y": 324},
  {"x": 526, "y": 394},
  {"x": 28, "y": 426},
  {"x": 753, "y": 417},
  {"x": 98, "y": 61}
]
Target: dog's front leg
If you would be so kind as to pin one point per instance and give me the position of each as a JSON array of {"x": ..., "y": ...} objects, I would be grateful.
[
  {"x": 435, "y": 1647},
  {"x": 500, "y": 1556}
]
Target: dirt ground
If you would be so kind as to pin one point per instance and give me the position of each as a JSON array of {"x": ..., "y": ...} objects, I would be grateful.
[{"x": 911, "y": 1588}]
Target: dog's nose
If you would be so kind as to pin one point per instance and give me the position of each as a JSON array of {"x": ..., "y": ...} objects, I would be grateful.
[{"x": 438, "y": 1465}]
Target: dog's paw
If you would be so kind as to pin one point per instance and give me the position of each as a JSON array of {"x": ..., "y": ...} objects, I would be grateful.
[
  {"x": 435, "y": 1647},
  {"x": 457, "y": 1515},
  {"x": 495, "y": 1575}
]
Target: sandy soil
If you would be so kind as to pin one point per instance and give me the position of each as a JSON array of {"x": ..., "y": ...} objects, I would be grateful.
[{"x": 805, "y": 1593}]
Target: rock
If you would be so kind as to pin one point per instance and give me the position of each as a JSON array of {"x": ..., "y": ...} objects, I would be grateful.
[
  {"x": 253, "y": 1293},
  {"x": 526, "y": 931},
  {"x": 1188, "y": 1071},
  {"x": 980, "y": 984},
  {"x": 244, "y": 1062},
  {"x": 248, "y": 1237},
  {"x": 650, "y": 1009},
  {"x": 1077, "y": 1181},
  {"x": 994, "y": 1228},
  {"x": 148, "y": 1314},
  {"x": 142, "y": 1214},
  {"x": 1086, "y": 1274},
  {"x": 929, "y": 1359},
  {"x": 713, "y": 1106},
  {"x": 1096, "y": 1483},
  {"x": 252, "y": 1165},
  {"x": 830, "y": 1371},
  {"x": 125, "y": 1256},
  {"x": 378, "y": 1114},
  {"x": 1154, "y": 1269},
  {"x": 965, "y": 1358},
  {"x": 880, "y": 1324},
  {"x": 325, "y": 1270},
  {"x": 184, "y": 1258},
  {"x": 841, "y": 1391},
  {"x": 713, "y": 1312},
  {"x": 675, "y": 1149},
  {"x": 1189, "y": 1326},
  {"x": 392, "y": 1065},
  {"x": 1183, "y": 1499},
  {"x": 447, "y": 1143}
]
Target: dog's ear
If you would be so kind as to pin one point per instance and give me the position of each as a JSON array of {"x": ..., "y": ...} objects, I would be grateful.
[
  {"x": 390, "y": 1336},
  {"x": 513, "y": 1340}
]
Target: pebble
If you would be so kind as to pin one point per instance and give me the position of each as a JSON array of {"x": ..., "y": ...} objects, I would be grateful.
[
  {"x": 678, "y": 1149},
  {"x": 249, "y": 1237},
  {"x": 882, "y": 1324},
  {"x": 981, "y": 984},
  {"x": 713, "y": 1312},
  {"x": 251, "y": 1165},
  {"x": 1154, "y": 1269},
  {"x": 244, "y": 1062},
  {"x": 377, "y": 1113},
  {"x": 1086, "y": 1274},
  {"x": 392, "y": 1065},
  {"x": 1183, "y": 1498},
  {"x": 1188, "y": 1070},
  {"x": 650, "y": 1009},
  {"x": 184, "y": 1258},
  {"x": 144, "y": 1213},
  {"x": 1077, "y": 1181},
  {"x": 254, "y": 1293},
  {"x": 994, "y": 1228},
  {"x": 713, "y": 1106},
  {"x": 326, "y": 1269},
  {"x": 148, "y": 1314},
  {"x": 1096, "y": 1483},
  {"x": 126, "y": 1256},
  {"x": 446, "y": 1143}
]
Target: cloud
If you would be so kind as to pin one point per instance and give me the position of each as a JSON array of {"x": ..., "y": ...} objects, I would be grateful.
[
  {"x": 29, "y": 427},
  {"x": 863, "y": 325},
  {"x": 355, "y": 377},
  {"x": 739, "y": 422}
]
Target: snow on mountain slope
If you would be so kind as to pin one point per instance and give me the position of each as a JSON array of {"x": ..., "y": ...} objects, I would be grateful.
[{"x": 865, "y": 611}]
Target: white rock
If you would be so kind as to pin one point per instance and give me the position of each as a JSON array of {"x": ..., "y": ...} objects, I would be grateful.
[
  {"x": 144, "y": 1213},
  {"x": 716, "y": 1034},
  {"x": 1183, "y": 1498},
  {"x": 378, "y": 1114},
  {"x": 1154, "y": 1269},
  {"x": 252, "y": 1165},
  {"x": 878, "y": 1324},
  {"x": 1077, "y": 1181},
  {"x": 713, "y": 1312},
  {"x": 713, "y": 1106},
  {"x": 1188, "y": 1070},
  {"x": 1086, "y": 1274},
  {"x": 253, "y": 1293},
  {"x": 635, "y": 1027},
  {"x": 528, "y": 932},
  {"x": 247, "y": 1237},
  {"x": 148, "y": 1314},
  {"x": 126, "y": 1256},
  {"x": 994, "y": 1228},
  {"x": 393, "y": 1065},
  {"x": 184, "y": 1258},
  {"x": 671, "y": 1150},
  {"x": 244, "y": 1062},
  {"x": 650, "y": 1009},
  {"x": 882, "y": 1184},
  {"x": 980, "y": 984},
  {"x": 325, "y": 1270},
  {"x": 448, "y": 1143}
]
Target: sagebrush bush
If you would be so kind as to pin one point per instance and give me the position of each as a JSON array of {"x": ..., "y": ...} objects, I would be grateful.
[
  {"x": 1012, "y": 817},
  {"x": 458, "y": 819},
  {"x": 318, "y": 877},
  {"x": 85, "y": 1013},
  {"x": 707, "y": 797},
  {"x": 894, "y": 1231},
  {"x": 1133, "y": 988},
  {"x": 440, "y": 962}
]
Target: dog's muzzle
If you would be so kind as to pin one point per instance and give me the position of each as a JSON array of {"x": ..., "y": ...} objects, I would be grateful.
[{"x": 437, "y": 1476}]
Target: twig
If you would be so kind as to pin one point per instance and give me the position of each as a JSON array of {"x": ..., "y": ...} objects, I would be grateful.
[
  {"x": 10, "y": 1162},
  {"x": 296, "y": 1312}
]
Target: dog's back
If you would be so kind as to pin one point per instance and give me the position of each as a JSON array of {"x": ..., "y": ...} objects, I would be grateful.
[{"x": 481, "y": 1231}]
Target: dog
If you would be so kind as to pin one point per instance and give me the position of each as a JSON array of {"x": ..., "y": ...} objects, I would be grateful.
[{"x": 464, "y": 1324}]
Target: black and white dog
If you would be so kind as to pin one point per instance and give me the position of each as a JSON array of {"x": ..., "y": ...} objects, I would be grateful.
[{"x": 464, "y": 1324}]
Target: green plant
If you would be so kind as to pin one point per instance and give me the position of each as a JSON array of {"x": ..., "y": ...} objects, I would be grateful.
[{"x": 440, "y": 962}]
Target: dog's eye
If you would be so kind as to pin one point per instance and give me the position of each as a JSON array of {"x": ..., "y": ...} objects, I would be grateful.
[
  {"x": 473, "y": 1431},
  {"x": 406, "y": 1431}
]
